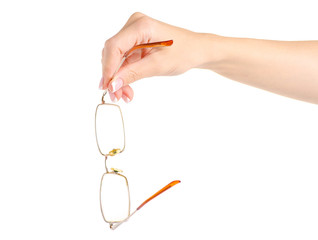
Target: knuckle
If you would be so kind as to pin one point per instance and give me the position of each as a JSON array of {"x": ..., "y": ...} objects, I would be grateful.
[
  {"x": 136, "y": 15},
  {"x": 109, "y": 43},
  {"x": 111, "y": 47}
]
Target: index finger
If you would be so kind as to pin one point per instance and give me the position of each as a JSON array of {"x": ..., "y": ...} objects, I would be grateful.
[
  {"x": 118, "y": 45},
  {"x": 140, "y": 46}
]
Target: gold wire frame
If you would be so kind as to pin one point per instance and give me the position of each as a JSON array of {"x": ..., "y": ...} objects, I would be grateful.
[
  {"x": 114, "y": 224},
  {"x": 113, "y": 151},
  {"x": 100, "y": 197}
]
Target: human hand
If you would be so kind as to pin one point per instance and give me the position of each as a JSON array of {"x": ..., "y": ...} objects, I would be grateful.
[
  {"x": 184, "y": 54},
  {"x": 284, "y": 67}
]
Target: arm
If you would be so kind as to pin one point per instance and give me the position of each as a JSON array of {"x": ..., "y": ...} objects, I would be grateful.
[{"x": 286, "y": 68}]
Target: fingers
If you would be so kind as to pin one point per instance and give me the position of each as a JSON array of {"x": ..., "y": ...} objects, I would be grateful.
[
  {"x": 137, "y": 30},
  {"x": 136, "y": 47},
  {"x": 146, "y": 67},
  {"x": 126, "y": 93},
  {"x": 111, "y": 59},
  {"x": 115, "y": 97}
]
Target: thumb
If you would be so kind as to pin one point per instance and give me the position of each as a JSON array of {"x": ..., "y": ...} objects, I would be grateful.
[{"x": 145, "y": 67}]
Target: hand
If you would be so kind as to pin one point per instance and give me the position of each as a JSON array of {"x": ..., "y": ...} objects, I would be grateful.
[{"x": 184, "y": 54}]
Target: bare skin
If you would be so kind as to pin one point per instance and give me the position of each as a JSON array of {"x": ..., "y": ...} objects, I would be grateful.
[{"x": 288, "y": 68}]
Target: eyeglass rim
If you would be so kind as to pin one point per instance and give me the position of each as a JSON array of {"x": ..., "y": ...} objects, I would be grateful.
[
  {"x": 123, "y": 125},
  {"x": 100, "y": 197}
]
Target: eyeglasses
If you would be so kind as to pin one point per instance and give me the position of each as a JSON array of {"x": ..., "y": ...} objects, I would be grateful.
[{"x": 111, "y": 140}]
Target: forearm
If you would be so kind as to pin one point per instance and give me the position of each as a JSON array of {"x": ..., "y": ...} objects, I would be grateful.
[{"x": 286, "y": 68}]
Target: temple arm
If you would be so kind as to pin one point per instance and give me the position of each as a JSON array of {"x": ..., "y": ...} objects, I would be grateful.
[{"x": 165, "y": 188}]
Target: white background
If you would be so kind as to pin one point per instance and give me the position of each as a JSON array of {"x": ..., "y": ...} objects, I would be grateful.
[{"x": 247, "y": 159}]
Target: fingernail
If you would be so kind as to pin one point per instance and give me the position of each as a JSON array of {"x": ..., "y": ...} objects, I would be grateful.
[
  {"x": 116, "y": 84},
  {"x": 101, "y": 83},
  {"x": 125, "y": 98},
  {"x": 113, "y": 97}
]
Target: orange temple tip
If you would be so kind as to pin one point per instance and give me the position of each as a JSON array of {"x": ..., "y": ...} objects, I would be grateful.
[
  {"x": 167, "y": 43},
  {"x": 150, "y": 45},
  {"x": 175, "y": 182},
  {"x": 159, "y": 192}
]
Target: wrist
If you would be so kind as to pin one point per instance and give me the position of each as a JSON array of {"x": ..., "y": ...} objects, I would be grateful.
[{"x": 210, "y": 51}]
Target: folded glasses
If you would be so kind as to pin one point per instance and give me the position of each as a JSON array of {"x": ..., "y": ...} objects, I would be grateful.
[{"x": 110, "y": 137}]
